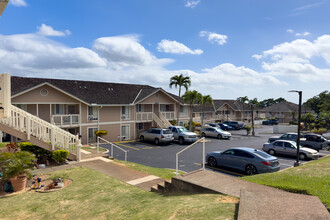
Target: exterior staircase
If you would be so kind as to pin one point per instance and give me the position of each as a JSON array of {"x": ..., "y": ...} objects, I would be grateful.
[
  {"x": 25, "y": 126},
  {"x": 161, "y": 121}
]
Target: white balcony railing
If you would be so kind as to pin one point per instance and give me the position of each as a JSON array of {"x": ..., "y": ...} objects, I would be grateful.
[
  {"x": 144, "y": 116},
  {"x": 64, "y": 120},
  {"x": 168, "y": 115}
]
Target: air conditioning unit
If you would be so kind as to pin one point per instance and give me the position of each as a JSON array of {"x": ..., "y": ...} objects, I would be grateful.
[
  {"x": 123, "y": 117},
  {"x": 92, "y": 118}
]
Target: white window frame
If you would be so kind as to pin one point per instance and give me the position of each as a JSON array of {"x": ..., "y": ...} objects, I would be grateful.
[
  {"x": 95, "y": 113},
  {"x": 125, "y": 116},
  {"x": 129, "y": 131},
  {"x": 94, "y": 135},
  {"x": 183, "y": 110}
]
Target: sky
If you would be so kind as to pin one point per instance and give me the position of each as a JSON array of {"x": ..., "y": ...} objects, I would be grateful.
[{"x": 229, "y": 49}]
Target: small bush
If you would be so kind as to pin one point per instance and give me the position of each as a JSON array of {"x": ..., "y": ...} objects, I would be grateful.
[
  {"x": 55, "y": 177},
  {"x": 37, "y": 151},
  {"x": 198, "y": 124},
  {"x": 60, "y": 155},
  {"x": 319, "y": 131},
  {"x": 101, "y": 133},
  {"x": 293, "y": 122},
  {"x": 173, "y": 122},
  {"x": 248, "y": 129}
]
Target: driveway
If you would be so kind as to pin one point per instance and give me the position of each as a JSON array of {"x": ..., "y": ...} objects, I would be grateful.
[{"x": 164, "y": 156}]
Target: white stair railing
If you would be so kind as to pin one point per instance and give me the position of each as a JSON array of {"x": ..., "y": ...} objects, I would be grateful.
[
  {"x": 44, "y": 131},
  {"x": 177, "y": 155},
  {"x": 164, "y": 120},
  {"x": 159, "y": 122},
  {"x": 112, "y": 145}
]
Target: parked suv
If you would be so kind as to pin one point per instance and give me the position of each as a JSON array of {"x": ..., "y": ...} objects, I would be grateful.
[
  {"x": 183, "y": 135},
  {"x": 270, "y": 122},
  {"x": 237, "y": 125},
  {"x": 157, "y": 135}
]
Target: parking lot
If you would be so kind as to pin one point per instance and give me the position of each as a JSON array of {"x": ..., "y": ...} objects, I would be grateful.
[{"x": 164, "y": 156}]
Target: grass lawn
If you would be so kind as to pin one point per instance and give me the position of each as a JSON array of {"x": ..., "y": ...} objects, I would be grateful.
[
  {"x": 312, "y": 178},
  {"x": 94, "y": 195},
  {"x": 93, "y": 149},
  {"x": 3, "y": 144},
  {"x": 160, "y": 172}
]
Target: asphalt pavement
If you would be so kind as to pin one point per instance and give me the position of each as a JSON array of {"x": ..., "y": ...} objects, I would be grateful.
[{"x": 164, "y": 156}]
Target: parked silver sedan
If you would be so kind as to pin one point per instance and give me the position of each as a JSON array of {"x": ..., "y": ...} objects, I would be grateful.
[
  {"x": 157, "y": 135},
  {"x": 289, "y": 148},
  {"x": 215, "y": 132}
]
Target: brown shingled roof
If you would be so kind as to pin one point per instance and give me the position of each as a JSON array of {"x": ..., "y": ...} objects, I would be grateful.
[{"x": 89, "y": 91}]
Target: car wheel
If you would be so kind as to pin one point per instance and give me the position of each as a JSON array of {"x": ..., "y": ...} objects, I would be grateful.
[
  {"x": 142, "y": 138},
  {"x": 250, "y": 169},
  {"x": 203, "y": 134},
  {"x": 302, "y": 156},
  {"x": 181, "y": 140},
  {"x": 272, "y": 152},
  {"x": 219, "y": 136},
  {"x": 156, "y": 141},
  {"x": 212, "y": 162}
]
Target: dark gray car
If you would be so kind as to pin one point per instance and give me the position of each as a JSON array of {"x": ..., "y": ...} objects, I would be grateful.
[{"x": 250, "y": 160}]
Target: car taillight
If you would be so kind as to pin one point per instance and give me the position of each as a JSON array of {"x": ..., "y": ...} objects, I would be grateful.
[
  {"x": 162, "y": 136},
  {"x": 267, "y": 163}
]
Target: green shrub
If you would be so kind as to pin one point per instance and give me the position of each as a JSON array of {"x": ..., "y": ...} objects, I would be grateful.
[
  {"x": 293, "y": 122},
  {"x": 173, "y": 122},
  {"x": 63, "y": 176},
  {"x": 198, "y": 124},
  {"x": 101, "y": 133},
  {"x": 60, "y": 155},
  {"x": 248, "y": 129},
  {"x": 319, "y": 131},
  {"x": 37, "y": 151}
]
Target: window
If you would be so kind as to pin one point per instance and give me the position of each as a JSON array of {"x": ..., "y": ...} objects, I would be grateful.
[
  {"x": 22, "y": 106},
  {"x": 140, "y": 126},
  {"x": 125, "y": 112},
  {"x": 164, "y": 108},
  {"x": 44, "y": 92},
  {"x": 59, "y": 109},
  {"x": 125, "y": 132},
  {"x": 91, "y": 134},
  {"x": 243, "y": 154},
  {"x": 93, "y": 113},
  {"x": 139, "y": 108},
  {"x": 287, "y": 145},
  {"x": 183, "y": 110},
  {"x": 229, "y": 152},
  {"x": 278, "y": 144}
]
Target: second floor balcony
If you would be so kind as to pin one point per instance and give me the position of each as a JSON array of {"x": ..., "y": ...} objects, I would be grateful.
[{"x": 66, "y": 120}]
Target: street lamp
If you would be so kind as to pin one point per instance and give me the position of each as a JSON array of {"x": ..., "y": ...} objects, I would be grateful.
[
  {"x": 299, "y": 121},
  {"x": 3, "y": 4}
]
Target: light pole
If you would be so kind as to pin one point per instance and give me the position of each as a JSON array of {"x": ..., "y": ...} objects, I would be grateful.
[
  {"x": 299, "y": 121},
  {"x": 252, "y": 120}
]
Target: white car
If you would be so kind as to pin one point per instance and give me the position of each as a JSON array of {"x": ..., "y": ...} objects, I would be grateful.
[{"x": 215, "y": 132}]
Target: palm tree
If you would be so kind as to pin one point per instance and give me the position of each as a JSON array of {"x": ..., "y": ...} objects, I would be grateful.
[
  {"x": 191, "y": 97},
  {"x": 179, "y": 81},
  {"x": 204, "y": 99}
]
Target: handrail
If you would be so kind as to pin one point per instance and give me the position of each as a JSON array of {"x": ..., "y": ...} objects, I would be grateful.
[
  {"x": 65, "y": 119},
  {"x": 143, "y": 116},
  {"x": 158, "y": 121},
  {"x": 112, "y": 145},
  {"x": 177, "y": 154},
  {"x": 47, "y": 132},
  {"x": 164, "y": 120}
]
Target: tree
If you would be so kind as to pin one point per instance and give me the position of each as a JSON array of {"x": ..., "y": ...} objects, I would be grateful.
[
  {"x": 319, "y": 103},
  {"x": 203, "y": 100},
  {"x": 179, "y": 81},
  {"x": 308, "y": 119},
  {"x": 243, "y": 99},
  {"x": 191, "y": 97}
]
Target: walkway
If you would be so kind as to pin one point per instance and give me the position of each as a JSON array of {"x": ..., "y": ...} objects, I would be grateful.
[{"x": 258, "y": 201}]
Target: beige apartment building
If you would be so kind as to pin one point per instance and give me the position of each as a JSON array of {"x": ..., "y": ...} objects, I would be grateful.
[{"x": 83, "y": 107}]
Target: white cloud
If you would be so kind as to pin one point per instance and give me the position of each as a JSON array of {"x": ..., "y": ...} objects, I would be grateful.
[
  {"x": 294, "y": 59},
  {"x": 175, "y": 47},
  {"x": 290, "y": 31},
  {"x": 192, "y": 4},
  {"x": 46, "y": 30},
  {"x": 302, "y": 34},
  {"x": 18, "y": 3},
  {"x": 125, "y": 51},
  {"x": 214, "y": 37}
]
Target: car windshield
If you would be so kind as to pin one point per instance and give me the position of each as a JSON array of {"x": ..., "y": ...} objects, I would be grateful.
[
  {"x": 183, "y": 130},
  {"x": 218, "y": 129}
]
